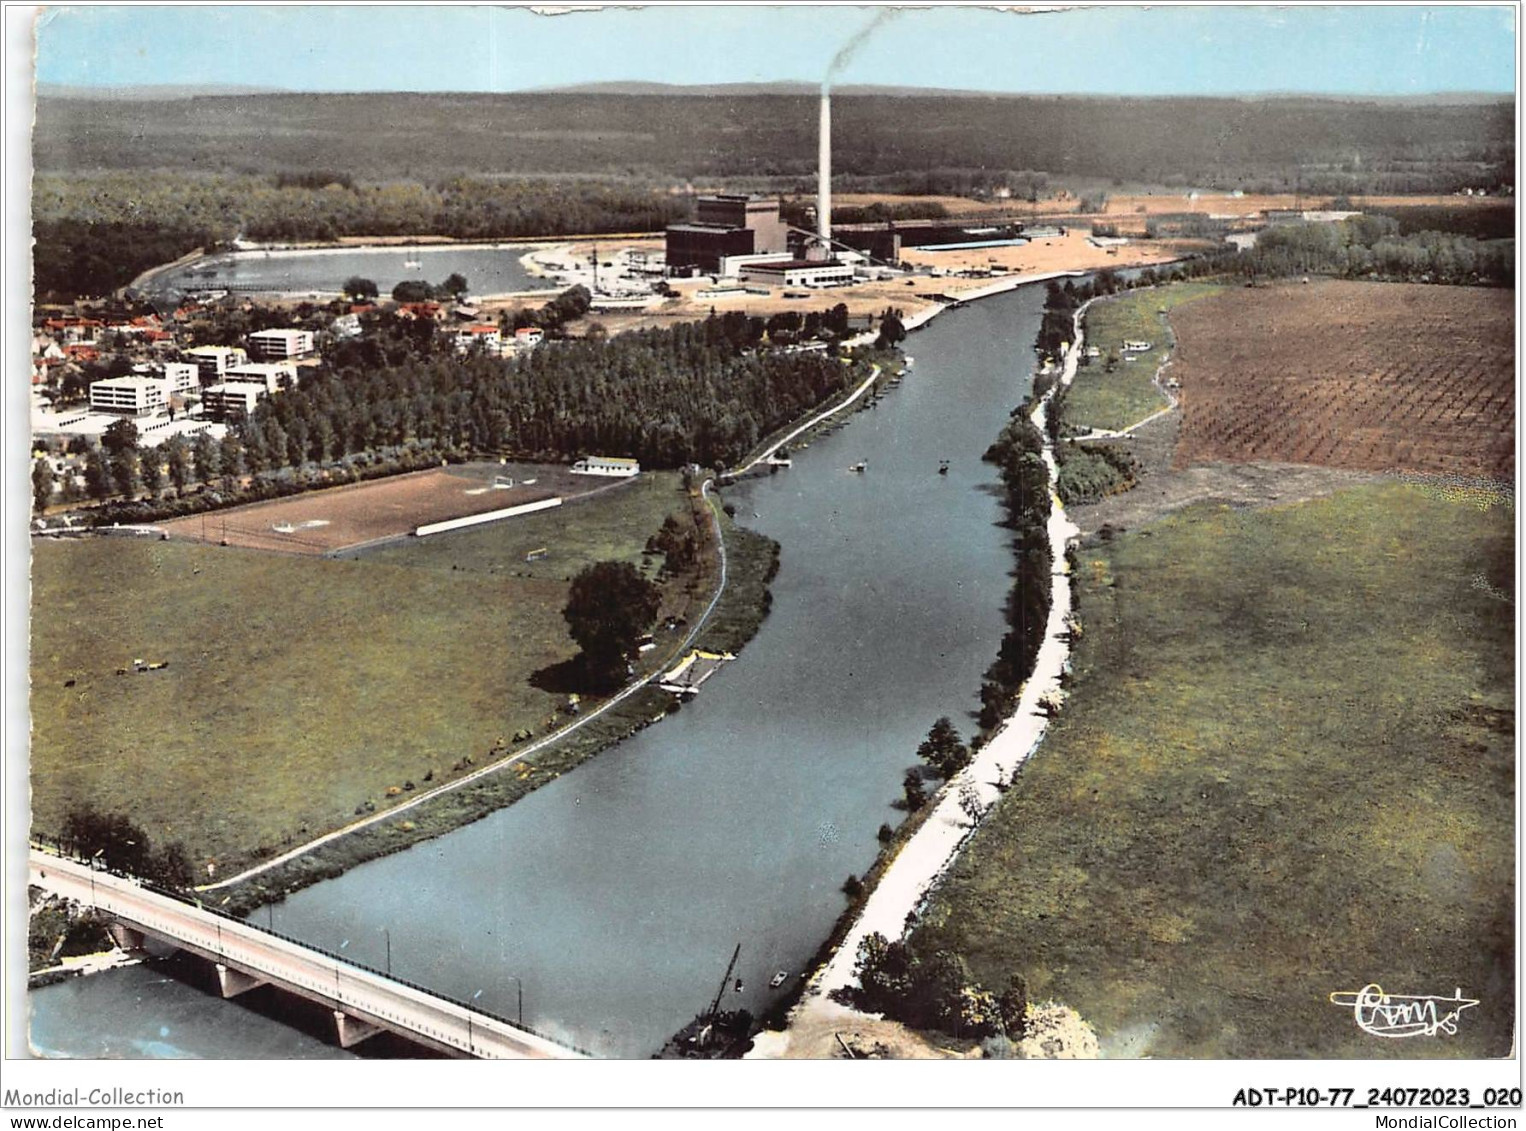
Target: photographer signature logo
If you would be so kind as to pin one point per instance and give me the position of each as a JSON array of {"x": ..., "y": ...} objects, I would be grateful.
[{"x": 1403, "y": 1015}]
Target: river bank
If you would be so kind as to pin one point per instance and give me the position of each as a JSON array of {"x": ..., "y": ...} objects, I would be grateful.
[{"x": 915, "y": 864}]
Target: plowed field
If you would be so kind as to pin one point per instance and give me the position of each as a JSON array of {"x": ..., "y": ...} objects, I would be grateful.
[{"x": 1370, "y": 376}]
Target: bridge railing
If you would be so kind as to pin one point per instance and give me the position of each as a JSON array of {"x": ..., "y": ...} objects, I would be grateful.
[{"x": 57, "y": 847}]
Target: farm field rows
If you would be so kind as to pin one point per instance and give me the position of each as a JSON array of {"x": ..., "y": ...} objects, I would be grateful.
[
  {"x": 1286, "y": 769},
  {"x": 325, "y": 684},
  {"x": 320, "y": 522},
  {"x": 1372, "y": 376}
]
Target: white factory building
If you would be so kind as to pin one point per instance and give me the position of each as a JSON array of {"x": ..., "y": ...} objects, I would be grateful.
[
  {"x": 183, "y": 376},
  {"x": 279, "y": 345},
  {"x": 799, "y": 273}
]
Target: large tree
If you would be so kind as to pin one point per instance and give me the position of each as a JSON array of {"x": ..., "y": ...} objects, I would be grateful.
[
  {"x": 609, "y": 607},
  {"x": 943, "y": 749},
  {"x": 43, "y": 480},
  {"x": 357, "y": 287},
  {"x": 120, "y": 437},
  {"x": 177, "y": 460}
]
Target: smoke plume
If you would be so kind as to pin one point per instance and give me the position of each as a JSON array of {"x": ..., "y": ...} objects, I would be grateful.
[{"x": 846, "y": 52}]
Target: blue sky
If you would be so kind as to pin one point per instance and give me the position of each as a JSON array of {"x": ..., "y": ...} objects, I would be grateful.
[{"x": 1353, "y": 49}]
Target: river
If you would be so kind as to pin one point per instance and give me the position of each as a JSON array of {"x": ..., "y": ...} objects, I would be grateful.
[{"x": 613, "y": 897}]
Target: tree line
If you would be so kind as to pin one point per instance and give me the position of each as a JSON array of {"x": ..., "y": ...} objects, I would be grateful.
[
  {"x": 97, "y": 233},
  {"x": 401, "y": 397},
  {"x": 704, "y": 392}
]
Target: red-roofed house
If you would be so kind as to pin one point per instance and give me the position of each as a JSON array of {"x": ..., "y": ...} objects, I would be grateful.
[
  {"x": 429, "y": 310},
  {"x": 484, "y": 335}
]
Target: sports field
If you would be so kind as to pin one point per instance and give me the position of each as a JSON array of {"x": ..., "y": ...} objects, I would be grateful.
[
  {"x": 322, "y": 522},
  {"x": 1373, "y": 376}
]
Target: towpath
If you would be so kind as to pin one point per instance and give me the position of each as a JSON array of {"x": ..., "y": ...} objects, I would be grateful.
[{"x": 927, "y": 855}]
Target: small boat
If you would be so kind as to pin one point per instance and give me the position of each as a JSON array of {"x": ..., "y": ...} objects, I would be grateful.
[
  {"x": 861, "y": 466},
  {"x": 778, "y": 979}
]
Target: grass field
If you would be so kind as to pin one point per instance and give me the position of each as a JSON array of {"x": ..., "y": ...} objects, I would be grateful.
[
  {"x": 1098, "y": 399},
  {"x": 299, "y": 688},
  {"x": 1286, "y": 769},
  {"x": 614, "y": 525}
]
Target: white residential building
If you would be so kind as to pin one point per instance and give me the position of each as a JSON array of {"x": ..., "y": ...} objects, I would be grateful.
[
  {"x": 232, "y": 400},
  {"x": 273, "y": 375},
  {"x": 135, "y": 396},
  {"x": 277, "y": 345},
  {"x": 215, "y": 361},
  {"x": 183, "y": 376},
  {"x": 484, "y": 335}
]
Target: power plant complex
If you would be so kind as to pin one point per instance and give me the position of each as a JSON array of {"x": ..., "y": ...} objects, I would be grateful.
[{"x": 747, "y": 237}]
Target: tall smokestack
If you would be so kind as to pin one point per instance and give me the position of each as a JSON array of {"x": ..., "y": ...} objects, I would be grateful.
[{"x": 824, "y": 161}]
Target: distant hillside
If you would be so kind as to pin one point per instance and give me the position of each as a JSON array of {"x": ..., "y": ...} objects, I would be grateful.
[
  {"x": 1323, "y": 145},
  {"x": 157, "y": 92}
]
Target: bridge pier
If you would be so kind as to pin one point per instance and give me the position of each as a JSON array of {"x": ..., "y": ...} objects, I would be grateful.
[
  {"x": 352, "y": 1030},
  {"x": 126, "y": 938},
  {"x": 233, "y": 982}
]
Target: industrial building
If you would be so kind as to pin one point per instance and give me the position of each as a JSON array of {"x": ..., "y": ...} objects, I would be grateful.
[
  {"x": 726, "y": 225},
  {"x": 799, "y": 273},
  {"x": 278, "y": 345}
]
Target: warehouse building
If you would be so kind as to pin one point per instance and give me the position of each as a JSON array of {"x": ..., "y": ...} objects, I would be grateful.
[
  {"x": 613, "y": 466},
  {"x": 799, "y": 273}
]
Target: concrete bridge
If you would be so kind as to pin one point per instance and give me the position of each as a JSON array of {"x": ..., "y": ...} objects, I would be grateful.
[{"x": 364, "y": 1001}]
